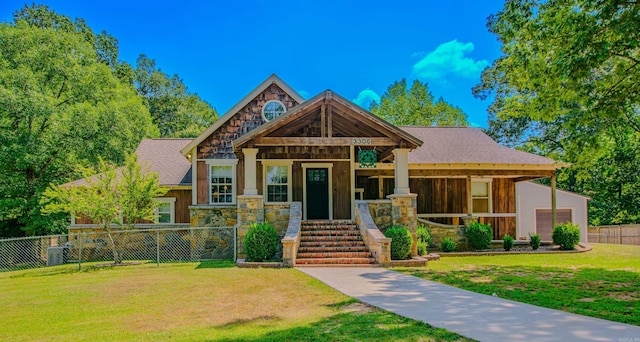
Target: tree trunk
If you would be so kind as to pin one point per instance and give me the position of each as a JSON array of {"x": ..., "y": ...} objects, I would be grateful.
[{"x": 116, "y": 256}]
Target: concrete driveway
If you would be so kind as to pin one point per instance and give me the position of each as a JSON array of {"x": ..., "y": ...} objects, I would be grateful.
[{"x": 470, "y": 314}]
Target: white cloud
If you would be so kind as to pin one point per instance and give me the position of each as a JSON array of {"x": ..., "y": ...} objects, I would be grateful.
[
  {"x": 365, "y": 97},
  {"x": 448, "y": 59}
]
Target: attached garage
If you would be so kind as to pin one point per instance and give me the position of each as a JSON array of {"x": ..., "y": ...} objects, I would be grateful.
[
  {"x": 543, "y": 221},
  {"x": 533, "y": 210}
]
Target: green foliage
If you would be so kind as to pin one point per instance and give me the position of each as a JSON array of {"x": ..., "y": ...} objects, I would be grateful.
[
  {"x": 479, "y": 236},
  {"x": 567, "y": 235},
  {"x": 176, "y": 111},
  {"x": 423, "y": 234},
  {"x": 59, "y": 107},
  {"x": 448, "y": 245},
  {"x": 422, "y": 248},
  {"x": 261, "y": 242},
  {"x": 415, "y": 106},
  {"x": 507, "y": 242},
  {"x": 535, "y": 240},
  {"x": 400, "y": 242},
  {"x": 108, "y": 196}
]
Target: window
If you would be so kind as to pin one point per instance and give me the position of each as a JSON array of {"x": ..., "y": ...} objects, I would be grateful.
[
  {"x": 481, "y": 196},
  {"x": 222, "y": 184},
  {"x": 165, "y": 210},
  {"x": 272, "y": 109},
  {"x": 277, "y": 175}
]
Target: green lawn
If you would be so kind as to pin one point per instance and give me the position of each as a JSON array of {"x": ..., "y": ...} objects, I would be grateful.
[
  {"x": 190, "y": 301},
  {"x": 603, "y": 283}
]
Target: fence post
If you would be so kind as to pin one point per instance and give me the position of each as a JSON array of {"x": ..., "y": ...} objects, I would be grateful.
[
  {"x": 619, "y": 234},
  {"x": 80, "y": 250},
  {"x": 158, "y": 247}
]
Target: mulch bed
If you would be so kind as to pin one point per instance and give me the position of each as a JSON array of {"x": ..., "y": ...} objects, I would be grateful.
[{"x": 544, "y": 249}]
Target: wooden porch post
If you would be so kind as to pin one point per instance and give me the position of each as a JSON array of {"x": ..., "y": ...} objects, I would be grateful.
[
  {"x": 250, "y": 171},
  {"x": 553, "y": 200},
  {"x": 469, "y": 197}
]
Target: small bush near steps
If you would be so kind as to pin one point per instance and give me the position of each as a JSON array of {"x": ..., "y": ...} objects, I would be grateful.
[
  {"x": 566, "y": 235},
  {"x": 423, "y": 235},
  {"x": 479, "y": 236},
  {"x": 448, "y": 245},
  {"x": 400, "y": 242},
  {"x": 261, "y": 242},
  {"x": 507, "y": 242},
  {"x": 535, "y": 240}
]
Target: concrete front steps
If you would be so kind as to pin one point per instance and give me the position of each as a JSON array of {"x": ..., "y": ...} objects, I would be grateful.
[{"x": 332, "y": 243}]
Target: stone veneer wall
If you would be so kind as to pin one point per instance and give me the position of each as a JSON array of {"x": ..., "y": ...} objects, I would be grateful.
[
  {"x": 250, "y": 210},
  {"x": 381, "y": 213},
  {"x": 439, "y": 232},
  {"x": 213, "y": 216},
  {"x": 278, "y": 216}
]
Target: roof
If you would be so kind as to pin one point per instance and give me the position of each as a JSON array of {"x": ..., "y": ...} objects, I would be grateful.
[
  {"x": 465, "y": 145},
  {"x": 164, "y": 157},
  {"x": 259, "y": 89},
  {"x": 327, "y": 95},
  {"x": 548, "y": 188}
]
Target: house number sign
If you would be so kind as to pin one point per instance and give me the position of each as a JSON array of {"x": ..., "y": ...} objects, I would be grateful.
[{"x": 361, "y": 141}]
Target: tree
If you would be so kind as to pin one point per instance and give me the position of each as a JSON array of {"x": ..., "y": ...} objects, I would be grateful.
[
  {"x": 566, "y": 87},
  {"x": 415, "y": 106},
  {"x": 176, "y": 111},
  {"x": 126, "y": 193},
  {"x": 577, "y": 61},
  {"x": 59, "y": 106}
]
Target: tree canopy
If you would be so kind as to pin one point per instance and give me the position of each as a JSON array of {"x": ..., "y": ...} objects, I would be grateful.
[
  {"x": 566, "y": 87},
  {"x": 415, "y": 106}
]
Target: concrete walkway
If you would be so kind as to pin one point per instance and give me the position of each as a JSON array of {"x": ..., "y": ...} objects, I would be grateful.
[{"x": 473, "y": 315}]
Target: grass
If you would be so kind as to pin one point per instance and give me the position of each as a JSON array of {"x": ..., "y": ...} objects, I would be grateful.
[
  {"x": 603, "y": 283},
  {"x": 190, "y": 301}
]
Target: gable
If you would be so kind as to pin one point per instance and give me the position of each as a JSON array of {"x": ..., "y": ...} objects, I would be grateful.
[
  {"x": 246, "y": 115},
  {"x": 328, "y": 119}
]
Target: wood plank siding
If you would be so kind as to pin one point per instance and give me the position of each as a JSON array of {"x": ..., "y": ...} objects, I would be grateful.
[
  {"x": 203, "y": 183},
  {"x": 183, "y": 201}
]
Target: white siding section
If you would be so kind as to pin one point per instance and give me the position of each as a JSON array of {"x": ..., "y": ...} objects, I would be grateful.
[{"x": 532, "y": 196}]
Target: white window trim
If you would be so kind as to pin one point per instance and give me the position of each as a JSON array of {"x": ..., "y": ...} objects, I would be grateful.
[
  {"x": 223, "y": 162},
  {"x": 172, "y": 202},
  {"x": 265, "y": 106},
  {"x": 289, "y": 165},
  {"x": 489, "y": 183}
]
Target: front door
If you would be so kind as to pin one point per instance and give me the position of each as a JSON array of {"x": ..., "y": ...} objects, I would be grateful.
[{"x": 317, "y": 193}]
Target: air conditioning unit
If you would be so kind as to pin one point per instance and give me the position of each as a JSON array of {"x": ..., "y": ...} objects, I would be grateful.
[{"x": 57, "y": 255}]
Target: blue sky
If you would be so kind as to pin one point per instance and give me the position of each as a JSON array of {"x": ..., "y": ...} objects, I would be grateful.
[{"x": 223, "y": 49}]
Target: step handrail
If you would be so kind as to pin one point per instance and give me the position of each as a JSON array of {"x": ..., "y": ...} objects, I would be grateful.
[
  {"x": 291, "y": 239},
  {"x": 378, "y": 244}
]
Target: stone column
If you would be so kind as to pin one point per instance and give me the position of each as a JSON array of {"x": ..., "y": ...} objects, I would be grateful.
[
  {"x": 404, "y": 212},
  {"x": 250, "y": 210},
  {"x": 401, "y": 162},
  {"x": 250, "y": 171}
]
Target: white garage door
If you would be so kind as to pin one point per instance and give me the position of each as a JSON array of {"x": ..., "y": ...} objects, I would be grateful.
[{"x": 543, "y": 221}]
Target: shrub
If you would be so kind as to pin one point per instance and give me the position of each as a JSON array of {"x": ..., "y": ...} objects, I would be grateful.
[
  {"x": 422, "y": 248},
  {"x": 448, "y": 245},
  {"x": 507, "y": 242},
  {"x": 535, "y": 240},
  {"x": 566, "y": 235},
  {"x": 423, "y": 234},
  {"x": 479, "y": 236},
  {"x": 261, "y": 242},
  {"x": 400, "y": 242}
]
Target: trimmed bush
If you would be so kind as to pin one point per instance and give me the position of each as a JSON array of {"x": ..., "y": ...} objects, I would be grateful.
[
  {"x": 507, "y": 242},
  {"x": 423, "y": 234},
  {"x": 400, "y": 242},
  {"x": 261, "y": 242},
  {"x": 566, "y": 235},
  {"x": 422, "y": 248},
  {"x": 535, "y": 240},
  {"x": 479, "y": 236},
  {"x": 448, "y": 245}
]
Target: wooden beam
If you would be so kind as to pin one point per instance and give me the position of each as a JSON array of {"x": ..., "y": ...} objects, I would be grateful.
[
  {"x": 453, "y": 173},
  {"x": 322, "y": 119},
  {"x": 469, "y": 197},
  {"x": 315, "y": 141},
  {"x": 329, "y": 121}
]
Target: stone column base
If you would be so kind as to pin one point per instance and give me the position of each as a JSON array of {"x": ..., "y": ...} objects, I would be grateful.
[{"x": 404, "y": 212}]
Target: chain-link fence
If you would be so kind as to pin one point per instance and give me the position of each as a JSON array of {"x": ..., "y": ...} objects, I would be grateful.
[{"x": 156, "y": 244}]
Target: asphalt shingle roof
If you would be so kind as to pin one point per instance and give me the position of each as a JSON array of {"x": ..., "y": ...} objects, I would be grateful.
[
  {"x": 465, "y": 145},
  {"x": 164, "y": 157}
]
